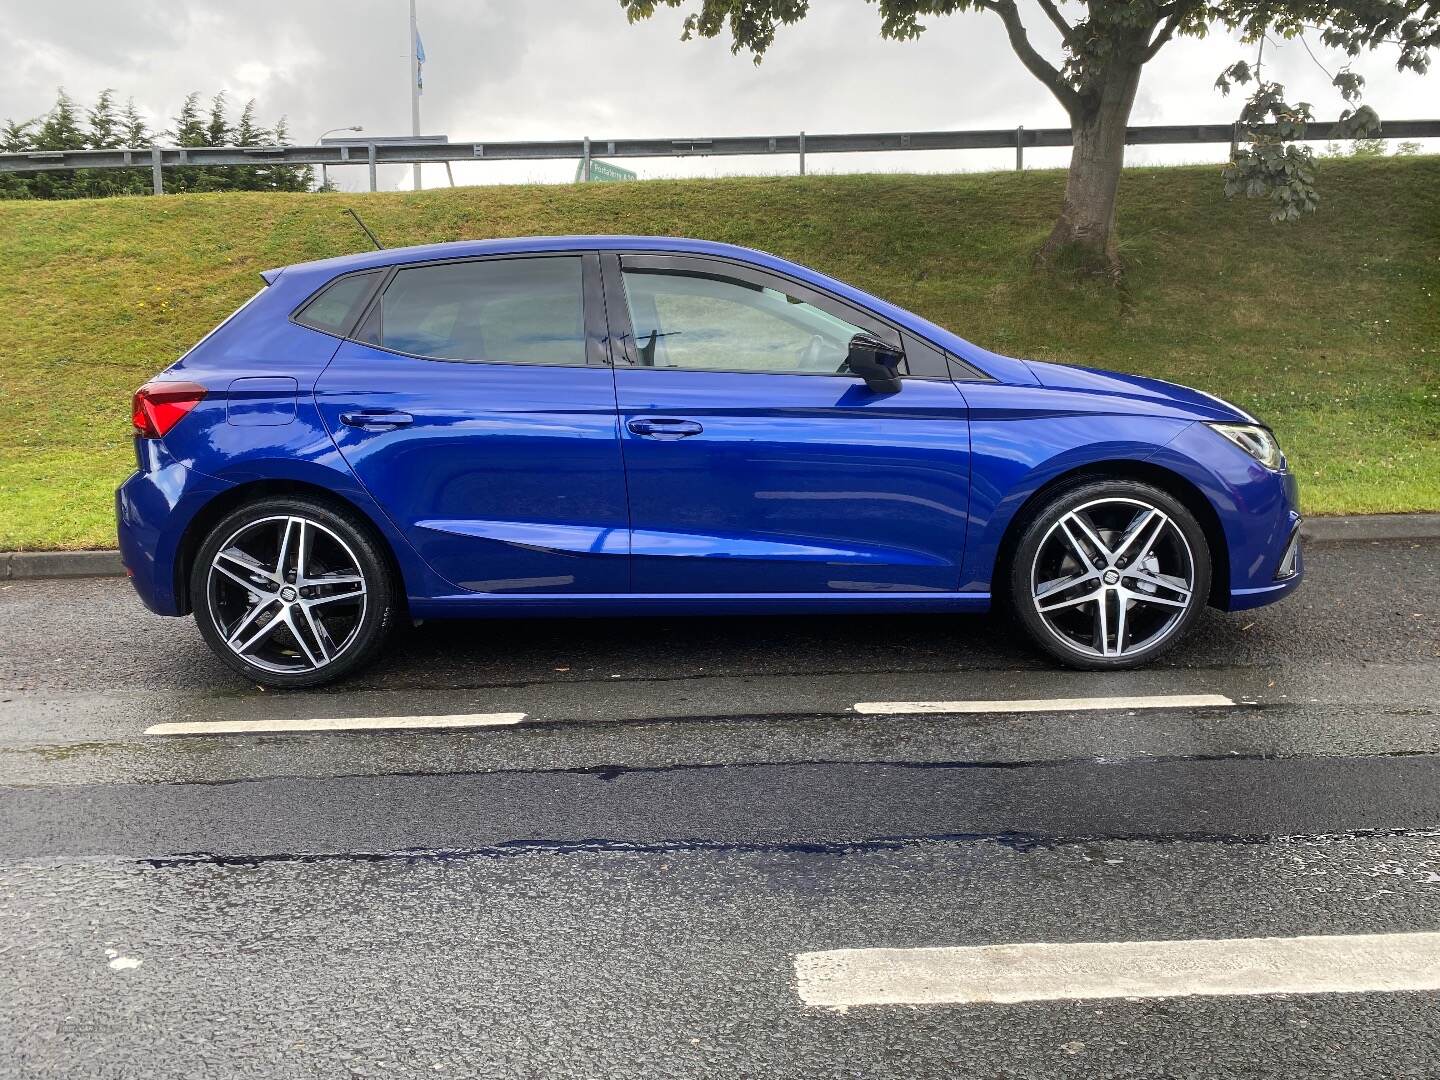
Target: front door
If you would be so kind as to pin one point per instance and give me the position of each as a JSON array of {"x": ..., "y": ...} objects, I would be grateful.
[
  {"x": 755, "y": 463},
  {"x": 476, "y": 407}
]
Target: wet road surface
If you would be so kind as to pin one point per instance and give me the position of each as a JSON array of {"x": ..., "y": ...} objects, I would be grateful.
[{"x": 620, "y": 884}]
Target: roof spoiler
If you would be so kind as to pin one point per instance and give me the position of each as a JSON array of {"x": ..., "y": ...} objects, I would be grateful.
[{"x": 270, "y": 275}]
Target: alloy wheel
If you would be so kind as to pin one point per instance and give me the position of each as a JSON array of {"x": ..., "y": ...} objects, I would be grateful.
[
  {"x": 286, "y": 594},
  {"x": 1113, "y": 577}
]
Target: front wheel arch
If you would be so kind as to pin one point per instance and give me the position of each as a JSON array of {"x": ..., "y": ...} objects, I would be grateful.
[{"x": 1172, "y": 483}]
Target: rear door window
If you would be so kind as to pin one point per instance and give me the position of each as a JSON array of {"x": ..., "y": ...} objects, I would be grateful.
[{"x": 508, "y": 311}]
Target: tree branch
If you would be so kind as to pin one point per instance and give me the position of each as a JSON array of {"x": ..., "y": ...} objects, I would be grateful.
[
  {"x": 1053, "y": 14},
  {"x": 1167, "y": 31},
  {"x": 1034, "y": 63}
]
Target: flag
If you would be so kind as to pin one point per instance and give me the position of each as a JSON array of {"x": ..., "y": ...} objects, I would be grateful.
[{"x": 419, "y": 62}]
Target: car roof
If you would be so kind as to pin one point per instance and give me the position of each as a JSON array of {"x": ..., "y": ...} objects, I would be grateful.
[
  {"x": 520, "y": 245},
  {"x": 304, "y": 278}
]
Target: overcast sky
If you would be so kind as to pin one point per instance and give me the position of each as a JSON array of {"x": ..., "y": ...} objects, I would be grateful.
[{"x": 549, "y": 69}]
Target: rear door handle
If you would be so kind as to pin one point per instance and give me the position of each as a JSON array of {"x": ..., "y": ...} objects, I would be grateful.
[
  {"x": 663, "y": 428},
  {"x": 376, "y": 419}
]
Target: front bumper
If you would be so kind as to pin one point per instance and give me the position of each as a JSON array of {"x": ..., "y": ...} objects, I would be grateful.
[
  {"x": 1284, "y": 564},
  {"x": 1258, "y": 511}
]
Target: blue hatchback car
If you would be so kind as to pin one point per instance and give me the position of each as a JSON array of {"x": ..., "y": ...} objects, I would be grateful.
[{"x": 610, "y": 425}]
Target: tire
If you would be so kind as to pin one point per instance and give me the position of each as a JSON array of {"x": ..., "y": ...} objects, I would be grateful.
[
  {"x": 307, "y": 630},
  {"x": 1152, "y": 582}
]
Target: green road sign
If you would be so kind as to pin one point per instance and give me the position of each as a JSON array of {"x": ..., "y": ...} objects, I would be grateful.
[{"x": 603, "y": 172}]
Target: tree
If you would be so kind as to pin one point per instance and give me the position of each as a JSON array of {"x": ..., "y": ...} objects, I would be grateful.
[
  {"x": 102, "y": 127},
  {"x": 16, "y": 137},
  {"x": 249, "y": 133},
  {"x": 60, "y": 130},
  {"x": 191, "y": 129},
  {"x": 217, "y": 128},
  {"x": 133, "y": 130},
  {"x": 1104, "y": 47},
  {"x": 288, "y": 177},
  {"x": 103, "y": 123}
]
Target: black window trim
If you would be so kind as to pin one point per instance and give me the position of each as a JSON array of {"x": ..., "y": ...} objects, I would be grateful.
[{"x": 593, "y": 309}]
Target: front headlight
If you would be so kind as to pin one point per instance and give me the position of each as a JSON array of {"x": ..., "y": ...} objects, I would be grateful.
[{"x": 1259, "y": 442}]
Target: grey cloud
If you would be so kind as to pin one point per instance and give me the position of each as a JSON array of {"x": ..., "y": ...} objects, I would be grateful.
[{"x": 505, "y": 69}]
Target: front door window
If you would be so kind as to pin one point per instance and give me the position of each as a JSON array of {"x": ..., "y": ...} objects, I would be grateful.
[{"x": 703, "y": 321}]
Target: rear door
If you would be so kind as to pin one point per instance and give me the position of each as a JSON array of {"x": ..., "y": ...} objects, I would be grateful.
[
  {"x": 475, "y": 403},
  {"x": 755, "y": 464}
]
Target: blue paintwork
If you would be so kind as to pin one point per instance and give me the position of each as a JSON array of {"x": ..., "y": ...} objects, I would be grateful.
[
  {"x": 507, "y": 489},
  {"x": 809, "y": 483},
  {"x": 525, "y": 448}
]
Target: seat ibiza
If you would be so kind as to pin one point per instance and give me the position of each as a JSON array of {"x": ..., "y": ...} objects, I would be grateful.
[{"x": 632, "y": 425}]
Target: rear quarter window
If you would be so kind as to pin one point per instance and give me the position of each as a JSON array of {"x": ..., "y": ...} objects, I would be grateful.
[{"x": 336, "y": 307}]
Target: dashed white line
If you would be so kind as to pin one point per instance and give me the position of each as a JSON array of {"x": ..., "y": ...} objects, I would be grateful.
[
  {"x": 1042, "y": 705},
  {"x": 351, "y": 723},
  {"x": 1342, "y": 964}
]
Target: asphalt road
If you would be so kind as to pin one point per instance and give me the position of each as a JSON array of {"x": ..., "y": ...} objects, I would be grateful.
[{"x": 619, "y": 885}]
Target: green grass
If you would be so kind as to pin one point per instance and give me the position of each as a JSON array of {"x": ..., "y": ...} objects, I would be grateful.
[{"x": 1329, "y": 329}]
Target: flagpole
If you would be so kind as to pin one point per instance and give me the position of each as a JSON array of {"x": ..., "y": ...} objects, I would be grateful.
[{"x": 414, "y": 85}]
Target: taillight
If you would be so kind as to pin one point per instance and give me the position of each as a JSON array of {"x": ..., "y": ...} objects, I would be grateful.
[{"x": 159, "y": 406}]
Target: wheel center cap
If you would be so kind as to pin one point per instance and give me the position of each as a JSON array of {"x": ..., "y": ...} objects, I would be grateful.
[
  {"x": 288, "y": 594},
  {"x": 1111, "y": 577}
]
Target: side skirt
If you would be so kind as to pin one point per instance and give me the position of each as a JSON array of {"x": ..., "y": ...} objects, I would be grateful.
[{"x": 581, "y": 605}]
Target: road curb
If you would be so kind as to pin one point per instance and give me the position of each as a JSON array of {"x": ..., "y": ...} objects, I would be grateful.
[
  {"x": 1362, "y": 527},
  {"x": 1359, "y": 528},
  {"x": 21, "y": 565}
]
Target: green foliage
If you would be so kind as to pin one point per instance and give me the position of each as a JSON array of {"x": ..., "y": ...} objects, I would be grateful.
[
  {"x": 1328, "y": 329},
  {"x": 104, "y": 129},
  {"x": 104, "y": 124},
  {"x": 1104, "y": 43},
  {"x": 1272, "y": 164}
]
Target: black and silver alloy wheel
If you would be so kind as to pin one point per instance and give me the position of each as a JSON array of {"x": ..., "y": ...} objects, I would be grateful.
[
  {"x": 287, "y": 594},
  {"x": 1110, "y": 574},
  {"x": 291, "y": 593}
]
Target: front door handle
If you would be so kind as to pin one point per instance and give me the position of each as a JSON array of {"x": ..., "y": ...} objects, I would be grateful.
[
  {"x": 658, "y": 428},
  {"x": 376, "y": 419}
]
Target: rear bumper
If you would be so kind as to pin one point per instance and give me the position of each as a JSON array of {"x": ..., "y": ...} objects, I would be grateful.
[{"x": 152, "y": 510}]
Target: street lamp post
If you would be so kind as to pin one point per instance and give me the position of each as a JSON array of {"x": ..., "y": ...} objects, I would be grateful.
[{"x": 324, "y": 169}]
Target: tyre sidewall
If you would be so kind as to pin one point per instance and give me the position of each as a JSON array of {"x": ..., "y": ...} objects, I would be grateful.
[
  {"x": 374, "y": 567},
  {"x": 1062, "y": 502}
]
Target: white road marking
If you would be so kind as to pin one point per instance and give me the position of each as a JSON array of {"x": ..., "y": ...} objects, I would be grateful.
[
  {"x": 1343, "y": 964},
  {"x": 1024, "y": 705},
  {"x": 351, "y": 723}
]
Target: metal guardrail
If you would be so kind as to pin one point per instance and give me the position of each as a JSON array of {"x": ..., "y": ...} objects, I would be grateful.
[{"x": 427, "y": 150}]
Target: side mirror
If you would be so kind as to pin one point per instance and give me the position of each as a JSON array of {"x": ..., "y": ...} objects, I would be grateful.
[{"x": 876, "y": 362}]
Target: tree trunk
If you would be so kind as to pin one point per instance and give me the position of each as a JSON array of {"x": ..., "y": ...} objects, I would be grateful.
[{"x": 1085, "y": 232}]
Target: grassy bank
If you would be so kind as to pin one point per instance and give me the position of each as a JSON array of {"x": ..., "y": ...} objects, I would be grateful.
[{"x": 1329, "y": 329}]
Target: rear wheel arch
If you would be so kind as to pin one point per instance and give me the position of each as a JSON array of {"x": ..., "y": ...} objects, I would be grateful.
[
  {"x": 1158, "y": 476},
  {"x": 231, "y": 499}
]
